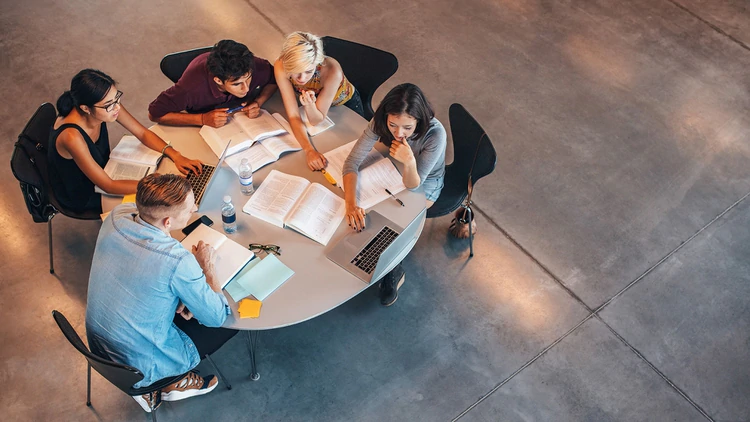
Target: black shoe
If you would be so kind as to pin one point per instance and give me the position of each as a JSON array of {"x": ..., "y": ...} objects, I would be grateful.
[{"x": 389, "y": 285}]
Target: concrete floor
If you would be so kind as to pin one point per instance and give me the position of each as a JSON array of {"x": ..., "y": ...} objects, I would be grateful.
[{"x": 610, "y": 280}]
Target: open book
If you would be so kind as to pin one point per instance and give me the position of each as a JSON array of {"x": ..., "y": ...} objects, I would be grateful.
[
  {"x": 292, "y": 201},
  {"x": 267, "y": 150},
  {"x": 130, "y": 160},
  {"x": 241, "y": 132},
  {"x": 313, "y": 130},
  {"x": 230, "y": 255},
  {"x": 376, "y": 174}
]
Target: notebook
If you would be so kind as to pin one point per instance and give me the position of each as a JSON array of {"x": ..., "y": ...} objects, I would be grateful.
[{"x": 231, "y": 257}]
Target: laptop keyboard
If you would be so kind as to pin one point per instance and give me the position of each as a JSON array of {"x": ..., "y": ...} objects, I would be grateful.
[
  {"x": 368, "y": 257},
  {"x": 199, "y": 181}
]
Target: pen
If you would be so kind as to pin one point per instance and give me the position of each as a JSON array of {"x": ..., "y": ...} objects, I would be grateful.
[
  {"x": 397, "y": 200},
  {"x": 234, "y": 110},
  {"x": 330, "y": 179}
]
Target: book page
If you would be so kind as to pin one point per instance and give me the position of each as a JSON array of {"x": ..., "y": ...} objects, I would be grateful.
[
  {"x": 217, "y": 138},
  {"x": 337, "y": 157},
  {"x": 258, "y": 156},
  {"x": 130, "y": 149},
  {"x": 276, "y": 197},
  {"x": 260, "y": 127},
  {"x": 318, "y": 214},
  {"x": 278, "y": 145},
  {"x": 313, "y": 130},
  {"x": 230, "y": 255},
  {"x": 118, "y": 170}
]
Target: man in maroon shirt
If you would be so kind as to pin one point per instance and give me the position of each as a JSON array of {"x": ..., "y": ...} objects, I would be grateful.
[{"x": 214, "y": 83}]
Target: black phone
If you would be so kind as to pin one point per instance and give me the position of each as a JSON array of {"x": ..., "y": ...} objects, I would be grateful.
[{"x": 202, "y": 220}]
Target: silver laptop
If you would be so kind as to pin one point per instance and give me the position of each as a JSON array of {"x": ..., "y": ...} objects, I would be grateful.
[
  {"x": 202, "y": 182},
  {"x": 366, "y": 254}
]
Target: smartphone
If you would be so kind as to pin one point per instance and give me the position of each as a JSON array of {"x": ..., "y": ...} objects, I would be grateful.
[{"x": 192, "y": 226}]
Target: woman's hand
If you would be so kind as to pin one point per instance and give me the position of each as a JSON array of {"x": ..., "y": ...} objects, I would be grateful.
[
  {"x": 315, "y": 160},
  {"x": 186, "y": 165},
  {"x": 307, "y": 98},
  {"x": 401, "y": 151},
  {"x": 355, "y": 217}
]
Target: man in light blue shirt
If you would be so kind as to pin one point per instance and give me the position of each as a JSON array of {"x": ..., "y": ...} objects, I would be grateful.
[{"x": 150, "y": 301}]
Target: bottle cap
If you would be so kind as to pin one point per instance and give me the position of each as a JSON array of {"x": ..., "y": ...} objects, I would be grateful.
[{"x": 227, "y": 199}]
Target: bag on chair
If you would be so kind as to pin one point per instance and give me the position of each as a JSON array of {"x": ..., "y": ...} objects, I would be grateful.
[{"x": 23, "y": 163}]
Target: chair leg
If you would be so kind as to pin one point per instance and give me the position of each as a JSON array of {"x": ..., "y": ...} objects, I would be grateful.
[
  {"x": 153, "y": 408},
  {"x": 49, "y": 231},
  {"x": 471, "y": 234},
  {"x": 88, "y": 386},
  {"x": 218, "y": 372}
]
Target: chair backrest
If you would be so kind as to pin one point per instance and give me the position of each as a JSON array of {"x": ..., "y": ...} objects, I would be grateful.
[
  {"x": 469, "y": 141},
  {"x": 365, "y": 67},
  {"x": 29, "y": 163},
  {"x": 173, "y": 65},
  {"x": 121, "y": 376}
]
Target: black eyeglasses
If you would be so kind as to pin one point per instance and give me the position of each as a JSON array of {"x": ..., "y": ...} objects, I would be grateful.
[
  {"x": 111, "y": 106},
  {"x": 257, "y": 247}
]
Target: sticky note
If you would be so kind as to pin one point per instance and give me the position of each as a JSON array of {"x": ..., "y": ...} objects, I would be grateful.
[
  {"x": 128, "y": 199},
  {"x": 249, "y": 308}
]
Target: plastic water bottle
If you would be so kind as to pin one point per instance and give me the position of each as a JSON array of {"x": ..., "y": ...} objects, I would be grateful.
[
  {"x": 246, "y": 178},
  {"x": 228, "y": 216}
]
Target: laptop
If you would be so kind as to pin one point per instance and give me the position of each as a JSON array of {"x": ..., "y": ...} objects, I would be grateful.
[
  {"x": 367, "y": 254},
  {"x": 201, "y": 182}
]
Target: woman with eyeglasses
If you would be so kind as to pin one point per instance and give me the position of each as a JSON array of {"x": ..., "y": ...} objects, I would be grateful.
[{"x": 79, "y": 142}]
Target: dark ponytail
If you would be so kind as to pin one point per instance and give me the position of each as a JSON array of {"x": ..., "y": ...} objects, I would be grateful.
[{"x": 88, "y": 87}]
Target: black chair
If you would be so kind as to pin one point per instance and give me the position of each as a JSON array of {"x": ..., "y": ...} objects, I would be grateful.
[
  {"x": 365, "y": 67},
  {"x": 121, "y": 376},
  {"x": 173, "y": 65},
  {"x": 474, "y": 158},
  {"x": 30, "y": 167}
]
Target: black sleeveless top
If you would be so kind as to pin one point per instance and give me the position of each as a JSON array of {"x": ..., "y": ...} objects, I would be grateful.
[{"x": 72, "y": 188}]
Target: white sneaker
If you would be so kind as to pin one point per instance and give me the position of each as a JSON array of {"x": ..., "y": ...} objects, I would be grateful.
[{"x": 190, "y": 385}]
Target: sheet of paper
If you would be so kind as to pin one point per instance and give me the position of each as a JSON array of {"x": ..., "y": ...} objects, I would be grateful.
[
  {"x": 337, "y": 157},
  {"x": 318, "y": 214},
  {"x": 261, "y": 280},
  {"x": 276, "y": 197},
  {"x": 376, "y": 174},
  {"x": 375, "y": 179}
]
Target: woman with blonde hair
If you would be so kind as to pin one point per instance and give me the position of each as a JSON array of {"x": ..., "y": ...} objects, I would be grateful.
[{"x": 303, "y": 67}]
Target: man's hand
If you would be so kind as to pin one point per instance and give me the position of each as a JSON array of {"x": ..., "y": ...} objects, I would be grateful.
[
  {"x": 184, "y": 312},
  {"x": 315, "y": 160},
  {"x": 215, "y": 118},
  {"x": 205, "y": 255},
  {"x": 252, "y": 110},
  {"x": 401, "y": 151},
  {"x": 307, "y": 98}
]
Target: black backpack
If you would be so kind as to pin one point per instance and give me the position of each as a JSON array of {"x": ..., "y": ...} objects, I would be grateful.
[{"x": 29, "y": 163}]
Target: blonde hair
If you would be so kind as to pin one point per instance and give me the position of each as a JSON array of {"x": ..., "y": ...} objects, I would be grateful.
[{"x": 301, "y": 50}]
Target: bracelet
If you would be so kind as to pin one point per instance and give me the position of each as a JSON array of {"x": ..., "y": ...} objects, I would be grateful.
[{"x": 165, "y": 148}]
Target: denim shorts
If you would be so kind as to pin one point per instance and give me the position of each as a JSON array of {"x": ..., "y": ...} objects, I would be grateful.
[{"x": 432, "y": 188}]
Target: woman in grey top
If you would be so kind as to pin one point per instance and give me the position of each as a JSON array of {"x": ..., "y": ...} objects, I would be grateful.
[{"x": 406, "y": 123}]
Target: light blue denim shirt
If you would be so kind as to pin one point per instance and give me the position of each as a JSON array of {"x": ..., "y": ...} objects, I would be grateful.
[{"x": 138, "y": 276}]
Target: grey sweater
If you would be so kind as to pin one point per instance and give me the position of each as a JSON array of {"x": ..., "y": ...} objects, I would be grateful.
[{"x": 429, "y": 151}]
